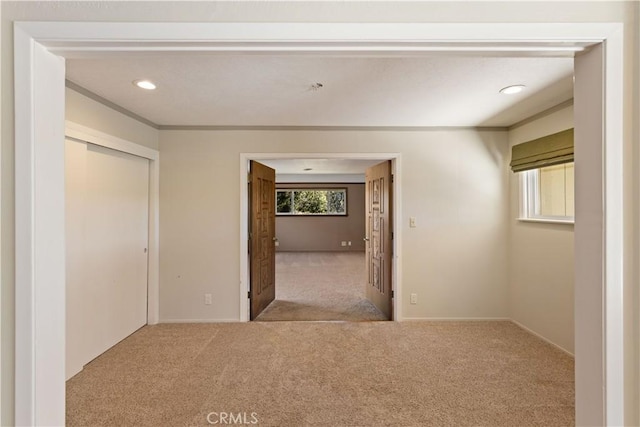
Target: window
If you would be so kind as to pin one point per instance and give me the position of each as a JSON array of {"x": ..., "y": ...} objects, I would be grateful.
[
  {"x": 311, "y": 201},
  {"x": 546, "y": 175},
  {"x": 548, "y": 193}
]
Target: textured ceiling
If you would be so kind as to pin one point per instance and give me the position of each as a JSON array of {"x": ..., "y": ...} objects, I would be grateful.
[
  {"x": 320, "y": 166},
  {"x": 266, "y": 90}
]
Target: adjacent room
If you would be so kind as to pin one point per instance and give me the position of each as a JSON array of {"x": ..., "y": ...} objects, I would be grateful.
[
  {"x": 483, "y": 254},
  {"x": 321, "y": 269}
]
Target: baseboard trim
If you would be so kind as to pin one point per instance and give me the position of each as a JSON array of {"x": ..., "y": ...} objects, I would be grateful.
[
  {"x": 520, "y": 325},
  {"x": 164, "y": 321},
  {"x": 455, "y": 319}
]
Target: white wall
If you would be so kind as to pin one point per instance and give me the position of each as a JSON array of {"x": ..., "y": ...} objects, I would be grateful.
[
  {"x": 87, "y": 112},
  {"x": 454, "y": 182},
  {"x": 541, "y": 255}
]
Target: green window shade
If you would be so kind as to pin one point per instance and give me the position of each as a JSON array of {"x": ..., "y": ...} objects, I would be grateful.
[{"x": 549, "y": 150}]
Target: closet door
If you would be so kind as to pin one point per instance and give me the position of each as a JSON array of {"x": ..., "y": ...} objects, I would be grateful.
[{"x": 110, "y": 260}]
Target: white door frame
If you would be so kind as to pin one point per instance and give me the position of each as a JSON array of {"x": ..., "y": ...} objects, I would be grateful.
[
  {"x": 39, "y": 169},
  {"x": 396, "y": 170}
]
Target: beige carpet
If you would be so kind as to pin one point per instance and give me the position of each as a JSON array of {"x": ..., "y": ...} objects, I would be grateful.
[
  {"x": 320, "y": 286},
  {"x": 327, "y": 374}
]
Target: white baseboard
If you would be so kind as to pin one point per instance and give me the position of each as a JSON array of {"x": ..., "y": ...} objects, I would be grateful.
[
  {"x": 199, "y": 320},
  {"x": 520, "y": 325}
]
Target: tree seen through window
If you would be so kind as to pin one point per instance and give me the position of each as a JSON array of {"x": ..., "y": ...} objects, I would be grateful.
[{"x": 311, "y": 201}]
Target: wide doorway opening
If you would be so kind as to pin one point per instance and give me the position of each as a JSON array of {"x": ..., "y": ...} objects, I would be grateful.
[
  {"x": 597, "y": 249},
  {"x": 320, "y": 239}
]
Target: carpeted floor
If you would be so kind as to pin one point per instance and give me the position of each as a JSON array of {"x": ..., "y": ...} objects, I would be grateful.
[
  {"x": 320, "y": 286},
  {"x": 326, "y": 374}
]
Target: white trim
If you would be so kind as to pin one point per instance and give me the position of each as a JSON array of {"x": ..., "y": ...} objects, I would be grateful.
[
  {"x": 40, "y": 234},
  {"x": 39, "y": 190},
  {"x": 244, "y": 218},
  {"x": 548, "y": 221},
  {"x": 532, "y": 332},
  {"x": 73, "y": 39},
  {"x": 396, "y": 211},
  {"x": 153, "y": 292},
  {"x": 86, "y": 134},
  {"x": 613, "y": 205},
  {"x": 25, "y": 340}
]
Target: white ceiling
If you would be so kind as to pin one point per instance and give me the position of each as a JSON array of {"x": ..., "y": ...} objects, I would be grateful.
[{"x": 268, "y": 90}]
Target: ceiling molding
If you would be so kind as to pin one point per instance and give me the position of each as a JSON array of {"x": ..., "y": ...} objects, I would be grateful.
[
  {"x": 86, "y": 92},
  {"x": 333, "y": 128},
  {"x": 542, "y": 114}
]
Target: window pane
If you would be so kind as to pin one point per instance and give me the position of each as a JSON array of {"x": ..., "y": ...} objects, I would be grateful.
[
  {"x": 556, "y": 191},
  {"x": 336, "y": 201},
  {"x": 283, "y": 201},
  {"x": 310, "y": 201}
]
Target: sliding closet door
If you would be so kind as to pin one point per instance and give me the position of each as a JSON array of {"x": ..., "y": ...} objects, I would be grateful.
[{"x": 107, "y": 232}]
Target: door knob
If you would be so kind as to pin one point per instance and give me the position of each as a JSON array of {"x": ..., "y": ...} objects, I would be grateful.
[{"x": 366, "y": 239}]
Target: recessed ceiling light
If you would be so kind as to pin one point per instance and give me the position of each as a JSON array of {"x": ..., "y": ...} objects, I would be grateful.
[
  {"x": 144, "y": 84},
  {"x": 510, "y": 90},
  {"x": 307, "y": 169}
]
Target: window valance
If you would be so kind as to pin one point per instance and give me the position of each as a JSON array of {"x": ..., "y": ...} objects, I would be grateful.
[{"x": 546, "y": 151}]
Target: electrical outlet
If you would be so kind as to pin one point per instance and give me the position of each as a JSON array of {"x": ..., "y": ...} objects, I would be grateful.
[
  {"x": 344, "y": 243},
  {"x": 207, "y": 299},
  {"x": 412, "y": 221},
  {"x": 414, "y": 298},
  {"x": 349, "y": 243},
  {"x": 277, "y": 243}
]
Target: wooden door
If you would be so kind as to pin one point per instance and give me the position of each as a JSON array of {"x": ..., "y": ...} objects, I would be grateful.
[
  {"x": 379, "y": 236},
  {"x": 262, "y": 226}
]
